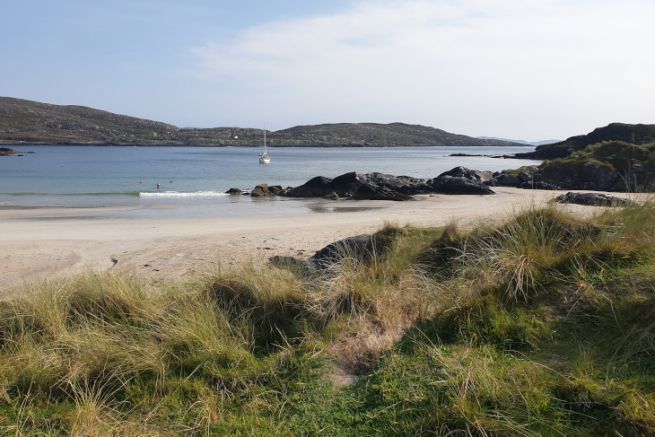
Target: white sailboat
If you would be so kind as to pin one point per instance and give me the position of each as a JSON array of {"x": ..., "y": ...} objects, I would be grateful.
[{"x": 264, "y": 158}]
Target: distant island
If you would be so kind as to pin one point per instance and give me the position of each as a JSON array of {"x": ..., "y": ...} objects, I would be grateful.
[{"x": 30, "y": 122}]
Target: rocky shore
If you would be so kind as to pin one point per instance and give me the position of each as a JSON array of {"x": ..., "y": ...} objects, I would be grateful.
[
  {"x": 379, "y": 186},
  {"x": 615, "y": 166},
  {"x": 604, "y": 167}
]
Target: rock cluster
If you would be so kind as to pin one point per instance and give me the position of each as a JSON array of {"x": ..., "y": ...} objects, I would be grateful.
[
  {"x": 593, "y": 199},
  {"x": 360, "y": 186},
  {"x": 529, "y": 177},
  {"x": 379, "y": 186},
  {"x": 234, "y": 191},
  {"x": 461, "y": 180},
  {"x": 573, "y": 175},
  {"x": 264, "y": 190},
  {"x": 354, "y": 250}
]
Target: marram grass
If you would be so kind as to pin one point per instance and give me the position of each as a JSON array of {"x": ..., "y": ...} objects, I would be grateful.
[{"x": 542, "y": 325}]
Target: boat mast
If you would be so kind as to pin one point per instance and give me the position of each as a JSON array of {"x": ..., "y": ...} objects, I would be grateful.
[{"x": 265, "y": 149}]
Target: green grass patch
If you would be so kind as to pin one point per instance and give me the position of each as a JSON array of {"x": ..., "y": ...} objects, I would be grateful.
[{"x": 542, "y": 325}]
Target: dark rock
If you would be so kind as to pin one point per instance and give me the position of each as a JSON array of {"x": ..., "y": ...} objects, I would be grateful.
[
  {"x": 371, "y": 192},
  {"x": 315, "y": 187},
  {"x": 461, "y": 180},
  {"x": 346, "y": 184},
  {"x": 403, "y": 184},
  {"x": 260, "y": 190},
  {"x": 362, "y": 186},
  {"x": 6, "y": 151},
  {"x": 530, "y": 177},
  {"x": 263, "y": 190},
  {"x": 234, "y": 191},
  {"x": 583, "y": 175},
  {"x": 464, "y": 154},
  {"x": 593, "y": 199},
  {"x": 358, "y": 249}
]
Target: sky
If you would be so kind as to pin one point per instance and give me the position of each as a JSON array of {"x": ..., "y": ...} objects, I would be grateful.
[{"x": 528, "y": 69}]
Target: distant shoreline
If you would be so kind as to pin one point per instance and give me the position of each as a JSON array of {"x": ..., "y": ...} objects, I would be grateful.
[{"x": 279, "y": 146}]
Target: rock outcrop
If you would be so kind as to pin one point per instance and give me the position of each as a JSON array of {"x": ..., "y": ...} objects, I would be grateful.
[
  {"x": 594, "y": 199},
  {"x": 358, "y": 249},
  {"x": 461, "y": 180},
  {"x": 608, "y": 166},
  {"x": 265, "y": 190},
  {"x": 529, "y": 177},
  {"x": 6, "y": 151},
  {"x": 315, "y": 187},
  {"x": 582, "y": 175},
  {"x": 362, "y": 186},
  {"x": 629, "y": 133},
  {"x": 234, "y": 192}
]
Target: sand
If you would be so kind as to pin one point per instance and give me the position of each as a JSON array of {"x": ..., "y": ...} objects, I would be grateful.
[{"x": 34, "y": 250}]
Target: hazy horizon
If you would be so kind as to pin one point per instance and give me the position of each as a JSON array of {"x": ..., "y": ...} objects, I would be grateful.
[{"x": 538, "y": 70}]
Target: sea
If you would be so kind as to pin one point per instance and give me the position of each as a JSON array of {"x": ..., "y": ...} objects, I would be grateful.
[{"x": 193, "y": 180}]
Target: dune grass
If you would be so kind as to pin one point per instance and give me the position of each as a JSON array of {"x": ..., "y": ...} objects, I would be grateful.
[{"x": 542, "y": 325}]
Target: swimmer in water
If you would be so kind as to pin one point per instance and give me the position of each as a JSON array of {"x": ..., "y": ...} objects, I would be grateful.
[{"x": 158, "y": 186}]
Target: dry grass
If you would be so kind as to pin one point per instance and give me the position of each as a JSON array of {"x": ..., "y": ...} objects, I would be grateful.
[{"x": 498, "y": 330}]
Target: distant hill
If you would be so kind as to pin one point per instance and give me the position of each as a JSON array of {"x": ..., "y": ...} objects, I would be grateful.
[
  {"x": 29, "y": 122},
  {"x": 527, "y": 143},
  {"x": 373, "y": 134},
  {"x": 629, "y": 133}
]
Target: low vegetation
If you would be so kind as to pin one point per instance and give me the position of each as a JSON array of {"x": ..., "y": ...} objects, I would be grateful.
[
  {"x": 620, "y": 166},
  {"x": 614, "y": 132},
  {"x": 543, "y": 325},
  {"x": 30, "y": 122}
]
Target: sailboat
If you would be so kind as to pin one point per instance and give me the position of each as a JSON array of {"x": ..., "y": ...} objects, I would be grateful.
[{"x": 264, "y": 158}]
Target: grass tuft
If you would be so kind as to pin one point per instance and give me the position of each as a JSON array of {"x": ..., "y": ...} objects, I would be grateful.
[{"x": 541, "y": 325}]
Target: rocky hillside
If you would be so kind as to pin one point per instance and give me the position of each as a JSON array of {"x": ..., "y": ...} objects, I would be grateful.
[
  {"x": 373, "y": 134},
  {"x": 629, "y": 133},
  {"x": 605, "y": 166},
  {"x": 29, "y": 122}
]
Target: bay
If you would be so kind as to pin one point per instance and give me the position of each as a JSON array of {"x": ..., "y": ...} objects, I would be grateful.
[{"x": 94, "y": 176}]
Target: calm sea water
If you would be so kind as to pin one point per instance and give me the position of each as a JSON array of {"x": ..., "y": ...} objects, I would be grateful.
[{"x": 71, "y": 176}]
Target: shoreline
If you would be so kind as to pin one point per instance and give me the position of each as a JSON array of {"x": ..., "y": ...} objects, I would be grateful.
[
  {"x": 255, "y": 146},
  {"x": 177, "y": 248}
]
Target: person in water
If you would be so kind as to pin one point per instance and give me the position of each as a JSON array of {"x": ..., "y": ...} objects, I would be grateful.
[{"x": 158, "y": 186}]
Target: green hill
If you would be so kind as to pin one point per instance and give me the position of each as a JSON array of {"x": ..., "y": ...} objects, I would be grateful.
[
  {"x": 29, "y": 122},
  {"x": 629, "y": 133}
]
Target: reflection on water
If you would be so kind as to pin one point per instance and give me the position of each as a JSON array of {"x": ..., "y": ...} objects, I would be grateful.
[{"x": 324, "y": 208}]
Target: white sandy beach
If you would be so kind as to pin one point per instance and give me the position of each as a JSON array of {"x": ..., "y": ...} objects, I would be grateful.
[{"x": 35, "y": 250}]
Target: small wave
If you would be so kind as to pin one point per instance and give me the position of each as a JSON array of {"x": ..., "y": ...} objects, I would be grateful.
[
  {"x": 118, "y": 193},
  {"x": 174, "y": 194}
]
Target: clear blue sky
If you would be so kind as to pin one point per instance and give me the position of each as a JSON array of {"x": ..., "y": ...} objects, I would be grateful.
[{"x": 541, "y": 69}]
